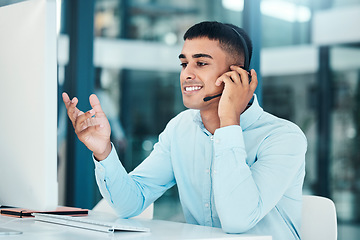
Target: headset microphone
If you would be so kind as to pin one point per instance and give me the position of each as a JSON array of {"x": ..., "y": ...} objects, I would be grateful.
[
  {"x": 246, "y": 62},
  {"x": 209, "y": 98}
]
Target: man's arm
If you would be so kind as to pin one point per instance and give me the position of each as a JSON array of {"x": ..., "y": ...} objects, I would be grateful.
[
  {"x": 244, "y": 194},
  {"x": 130, "y": 194}
]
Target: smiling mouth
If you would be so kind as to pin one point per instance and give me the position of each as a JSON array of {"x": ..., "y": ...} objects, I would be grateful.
[{"x": 191, "y": 89}]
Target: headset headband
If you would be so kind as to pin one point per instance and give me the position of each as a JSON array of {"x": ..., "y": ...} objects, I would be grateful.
[{"x": 246, "y": 50}]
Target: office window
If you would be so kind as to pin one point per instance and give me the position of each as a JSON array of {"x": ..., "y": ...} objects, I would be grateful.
[
  {"x": 345, "y": 129},
  {"x": 162, "y": 21},
  {"x": 292, "y": 97}
]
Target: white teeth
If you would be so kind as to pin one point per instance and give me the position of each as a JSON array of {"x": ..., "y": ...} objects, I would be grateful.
[{"x": 192, "y": 88}]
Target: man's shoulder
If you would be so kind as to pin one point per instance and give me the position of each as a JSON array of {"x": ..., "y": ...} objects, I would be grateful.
[
  {"x": 279, "y": 124},
  {"x": 281, "y": 135}
]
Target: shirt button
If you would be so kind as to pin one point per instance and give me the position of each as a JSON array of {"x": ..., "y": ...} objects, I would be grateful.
[
  {"x": 217, "y": 140},
  {"x": 207, "y": 171},
  {"x": 212, "y": 138},
  {"x": 206, "y": 205}
]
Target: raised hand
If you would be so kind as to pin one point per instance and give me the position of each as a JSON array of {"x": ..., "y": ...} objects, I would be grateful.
[
  {"x": 91, "y": 127},
  {"x": 236, "y": 94}
]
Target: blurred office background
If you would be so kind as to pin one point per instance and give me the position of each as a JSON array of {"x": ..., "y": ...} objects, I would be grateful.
[{"x": 307, "y": 53}]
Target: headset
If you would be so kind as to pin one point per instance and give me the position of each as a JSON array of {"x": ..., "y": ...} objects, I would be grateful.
[
  {"x": 246, "y": 51},
  {"x": 246, "y": 62}
]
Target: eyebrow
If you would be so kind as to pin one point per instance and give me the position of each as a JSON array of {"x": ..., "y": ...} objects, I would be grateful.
[{"x": 198, "y": 55}]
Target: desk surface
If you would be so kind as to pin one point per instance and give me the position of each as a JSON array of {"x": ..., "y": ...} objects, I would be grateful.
[{"x": 160, "y": 230}]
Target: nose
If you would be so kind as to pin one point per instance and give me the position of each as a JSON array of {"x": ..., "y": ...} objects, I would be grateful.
[{"x": 188, "y": 73}]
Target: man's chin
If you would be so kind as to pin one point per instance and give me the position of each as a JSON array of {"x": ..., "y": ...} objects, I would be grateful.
[{"x": 191, "y": 105}]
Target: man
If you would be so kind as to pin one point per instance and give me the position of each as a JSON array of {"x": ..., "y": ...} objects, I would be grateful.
[{"x": 236, "y": 166}]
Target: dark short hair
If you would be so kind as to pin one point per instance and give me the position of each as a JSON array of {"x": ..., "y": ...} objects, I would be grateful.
[{"x": 225, "y": 34}]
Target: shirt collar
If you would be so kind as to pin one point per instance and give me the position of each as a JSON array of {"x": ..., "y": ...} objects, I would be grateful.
[
  {"x": 251, "y": 114},
  {"x": 198, "y": 121},
  {"x": 247, "y": 118}
]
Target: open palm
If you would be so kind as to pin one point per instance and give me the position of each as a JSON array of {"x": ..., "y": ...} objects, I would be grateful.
[{"x": 91, "y": 127}]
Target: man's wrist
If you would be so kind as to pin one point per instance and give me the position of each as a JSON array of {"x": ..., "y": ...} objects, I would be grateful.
[
  {"x": 105, "y": 154},
  {"x": 229, "y": 122}
]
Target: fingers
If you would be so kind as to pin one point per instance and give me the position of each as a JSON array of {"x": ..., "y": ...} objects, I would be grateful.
[
  {"x": 237, "y": 76},
  {"x": 84, "y": 121},
  {"x": 74, "y": 113},
  {"x": 69, "y": 104},
  {"x": 225, "y": 78},
  {"x": 240, "y": 75},
  {"x": 85, "y": 125},
  {"x": 85, "y": 134},
  {"x": 66, "y": 99},
  {"x": 71, "y": 108},
  {"x": 95, "y": 104}
]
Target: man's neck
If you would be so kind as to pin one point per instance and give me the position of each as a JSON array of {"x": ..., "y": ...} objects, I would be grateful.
[{"x": 210, "y": 120}]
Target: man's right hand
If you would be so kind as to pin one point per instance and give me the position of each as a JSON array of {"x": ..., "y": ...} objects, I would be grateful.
[{"x": 91, "y": 127}]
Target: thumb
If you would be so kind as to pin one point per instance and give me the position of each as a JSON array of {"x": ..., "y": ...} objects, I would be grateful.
[{"x": 95, "y": 103}]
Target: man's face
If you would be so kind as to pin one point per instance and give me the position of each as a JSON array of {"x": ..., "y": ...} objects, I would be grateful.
[{"x": 203, "y": 61}]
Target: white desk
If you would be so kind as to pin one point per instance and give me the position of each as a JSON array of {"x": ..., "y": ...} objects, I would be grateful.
[{"x": 160, "y": 230}]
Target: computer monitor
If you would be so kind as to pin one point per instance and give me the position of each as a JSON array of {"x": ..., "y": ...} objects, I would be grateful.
[{"x": 28, "y": 105}]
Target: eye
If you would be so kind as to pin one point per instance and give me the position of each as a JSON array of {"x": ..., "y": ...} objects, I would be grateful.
[
  {"x": 183, "y": 65},
  {"x": 201, "y": 64}
]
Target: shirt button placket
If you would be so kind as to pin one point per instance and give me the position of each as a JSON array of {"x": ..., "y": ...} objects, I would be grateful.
[{"x": 207, "y": 189}]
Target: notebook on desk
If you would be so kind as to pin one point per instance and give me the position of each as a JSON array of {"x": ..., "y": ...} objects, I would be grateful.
[
  {"x": 92, "y": 224},
  {"x": 24, "y": 213}
]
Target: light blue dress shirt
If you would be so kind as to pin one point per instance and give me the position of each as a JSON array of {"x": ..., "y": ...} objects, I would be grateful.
[{"x": 245, "y": 178}]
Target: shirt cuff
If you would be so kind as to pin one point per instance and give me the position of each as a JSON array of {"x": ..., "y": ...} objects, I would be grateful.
[
  {"x": 228, "y": 137},
  {"x": 110, "y": 166}
]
